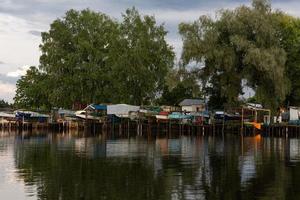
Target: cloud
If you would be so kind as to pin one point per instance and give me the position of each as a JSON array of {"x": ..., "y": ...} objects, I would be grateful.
[
  {"x": 35, "y": 33},
  {"x": 18, "y": 45},
  {"x": 24, "y": 20},
  {"x": 7, "y": 91},
  {"x": 19, "y": 72},
  {"x": 6, "y": 79}
]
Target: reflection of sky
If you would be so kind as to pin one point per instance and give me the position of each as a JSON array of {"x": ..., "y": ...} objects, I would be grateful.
[
  {"x": 11, "y": 188},
  {"x": 247, "y": 168},
  {"x": 187, "y": 164},
  {"x": 294, "y": 150}
]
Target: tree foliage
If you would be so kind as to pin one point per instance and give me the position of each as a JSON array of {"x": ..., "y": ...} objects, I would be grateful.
[
  {"x": 75, "y": 54},
  {"x": 241, "y": 45},
  {"x": 90, "y": 57},
  {"x": 32, "y": 90},
  {"x": 180, "y": 84},
  {"x": 290, "y": 34},
  {"x": 4, "y": 104},
  {"x": 143, "y": 59}
]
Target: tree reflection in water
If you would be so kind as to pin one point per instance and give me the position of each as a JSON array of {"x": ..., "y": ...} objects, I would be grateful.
[{"x": 230, "y": 167}]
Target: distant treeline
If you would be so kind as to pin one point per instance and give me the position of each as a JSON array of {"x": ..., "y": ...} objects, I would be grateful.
[
  {"x": 4, "y": 104},
  {"x": 89, "y": 57}
]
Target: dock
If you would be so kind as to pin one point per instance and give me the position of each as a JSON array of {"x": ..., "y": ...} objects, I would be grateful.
[{"x": 145, "y": 127}]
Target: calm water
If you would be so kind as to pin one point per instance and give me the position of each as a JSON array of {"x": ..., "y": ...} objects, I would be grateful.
[{"x": 65, "y": 166}]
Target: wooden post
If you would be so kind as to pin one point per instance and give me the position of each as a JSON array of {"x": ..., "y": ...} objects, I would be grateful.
[
  {"x": 223, "y": 123},
  {"x": 242, "y": 122},
  {"x": 128, "y": 126}
]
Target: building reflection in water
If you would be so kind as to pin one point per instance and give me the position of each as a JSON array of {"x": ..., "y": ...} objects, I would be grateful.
[{"x": 74, "y": 166}]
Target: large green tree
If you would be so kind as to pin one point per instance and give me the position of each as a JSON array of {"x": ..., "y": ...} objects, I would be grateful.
[
  {"x": 90, "y": 57},
  {"x": 290, "y": 34},
  {"x": 239, "y": 46},
  {"x": 76, "y": 56},
  {"x": 142, "y": 60}
]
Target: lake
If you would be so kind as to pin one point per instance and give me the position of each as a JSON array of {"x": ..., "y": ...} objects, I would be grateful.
[{"x": 75, "y": 166}]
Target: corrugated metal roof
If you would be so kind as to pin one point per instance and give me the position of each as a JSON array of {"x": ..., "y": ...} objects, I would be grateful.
[
  {"x": 121, "y": 109},
  {"x": 190, "y": 102}
]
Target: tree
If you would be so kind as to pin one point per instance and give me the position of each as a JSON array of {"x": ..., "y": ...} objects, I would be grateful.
[
  {"x": 76, "y": 57},
  {"x": 143, "y": 59},
  {"x": 180, "y": 84},
  {"x": 290, "y": 34},
  {"x": 4, "y": 104},
  {"x": 90, "y": 57},
  {"x": 32, "y": 90},
  {"x": 242, "y": 45}
]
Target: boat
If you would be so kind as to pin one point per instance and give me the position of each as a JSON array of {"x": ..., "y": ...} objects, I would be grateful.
[
  {"x": 82, "y": 114},
  {"x": 162, "y": 116}
]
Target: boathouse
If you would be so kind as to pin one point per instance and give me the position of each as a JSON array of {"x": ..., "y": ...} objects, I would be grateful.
[
  {"x": 192, "y": 105},
  {"x": 121, "y": 110}
]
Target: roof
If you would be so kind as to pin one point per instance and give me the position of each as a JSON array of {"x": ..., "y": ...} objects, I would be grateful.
[
  {"x": 191, "y": 102},
  {"x": 31, "y": 114},
  {"x": 121, "y": 109},
  {"x": 65, "y": 112},
  {"x": 96, "y": 107},
  {"x": 3, "y": 114}
]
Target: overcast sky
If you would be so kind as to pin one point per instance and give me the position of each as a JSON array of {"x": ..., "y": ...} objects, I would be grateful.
[{"x": 21, "y": 22}]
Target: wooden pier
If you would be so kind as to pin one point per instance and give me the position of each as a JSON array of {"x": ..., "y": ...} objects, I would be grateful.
[{"x": 144, "y": 127}]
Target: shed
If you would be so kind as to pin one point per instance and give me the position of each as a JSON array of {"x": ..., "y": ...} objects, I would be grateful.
[
  {"x": 294, "y": 113},
  {"x": 121, "y": 110},
  {"x": 192, "y": 105}
]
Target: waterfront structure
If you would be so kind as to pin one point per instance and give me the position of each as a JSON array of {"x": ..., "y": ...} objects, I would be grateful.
[
  {"x": 121, "y": 110},
  {"x": 192, "y": 105},
  {"x": 5, "y": 117},
  {"x": 92, "y": 112},
  {"x": 23, "y": 115}
]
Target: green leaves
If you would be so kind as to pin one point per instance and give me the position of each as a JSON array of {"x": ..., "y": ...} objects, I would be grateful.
[
  {"x": 89, "y": 57},
  {"x": 242, "y": 45},
  {"x": 4, "y": 104},
  {"x": 32, "y": 90},
  {"x": 144, "y": 59}
]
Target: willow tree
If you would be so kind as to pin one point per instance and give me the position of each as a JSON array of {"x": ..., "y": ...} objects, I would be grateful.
[
  {"x": 239, "y": 46},
  {"x": 290, "y": 41}
]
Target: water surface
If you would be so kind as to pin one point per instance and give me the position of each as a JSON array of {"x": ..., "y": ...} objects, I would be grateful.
[{"x": 72, "y": 166}]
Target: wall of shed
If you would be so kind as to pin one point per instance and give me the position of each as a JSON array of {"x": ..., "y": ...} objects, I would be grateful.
[{"x": 193, "y": 108}]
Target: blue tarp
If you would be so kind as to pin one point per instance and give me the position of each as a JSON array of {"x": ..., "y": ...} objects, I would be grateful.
[
  {"x": 99, "y": 107},
  {"x": 178, "y": 115},
  {"x": 31, "y": 116},
  {"x": 21, "y": 115}
]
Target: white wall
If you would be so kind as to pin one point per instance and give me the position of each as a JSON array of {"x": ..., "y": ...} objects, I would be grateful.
[{"x": 193, "y": 108}]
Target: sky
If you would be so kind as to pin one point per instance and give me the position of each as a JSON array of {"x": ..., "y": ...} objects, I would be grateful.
[{"x": 22, "y": 21}]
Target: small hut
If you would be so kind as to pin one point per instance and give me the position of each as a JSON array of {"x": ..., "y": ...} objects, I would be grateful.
[{"x": 192, "y": 105}]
